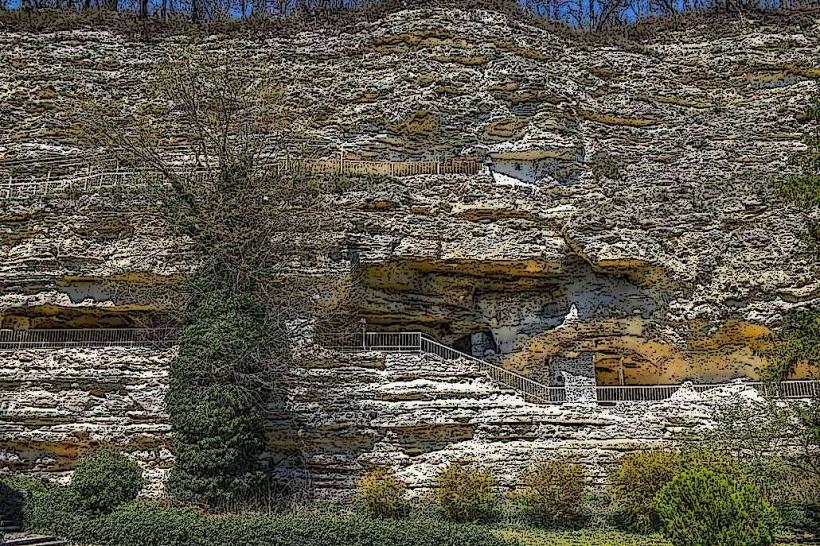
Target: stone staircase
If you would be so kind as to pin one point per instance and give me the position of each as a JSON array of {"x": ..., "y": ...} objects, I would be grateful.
[
  {"x": 11, "y": 534},
  {"x": 416, "y": 342},
  {"x": 34, "y": 540}
]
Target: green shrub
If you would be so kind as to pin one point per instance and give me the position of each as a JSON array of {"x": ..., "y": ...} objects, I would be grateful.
[
  {"x": 553, "y": 493},
  {"x": 382, "y": 494},
  {"x": 704, "y": 508},
  {"x": 14, "y": 494},
  {"x": 106, "y": 478},
  {"x": 636, "y": 482},
  {"x": 465, "y": 493},
  {"x": 217, "y": 387},
  {"x": 150, "y": 524}
]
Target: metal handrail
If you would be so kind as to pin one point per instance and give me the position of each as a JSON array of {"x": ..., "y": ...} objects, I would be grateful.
[
  {"x": 49, "y": 338},
  {"x": 409, "y": 342},
  {"x": 533, "y": 390},
  {"x": 795, "y": 388}
]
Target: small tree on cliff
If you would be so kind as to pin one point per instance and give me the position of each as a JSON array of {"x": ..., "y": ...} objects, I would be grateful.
[{"x": 252, "y": 232}]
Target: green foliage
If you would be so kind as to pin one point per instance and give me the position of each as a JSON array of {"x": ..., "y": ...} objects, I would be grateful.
[
  {"x": 13, "y": 495},
  {"x": 148, "y": 524},
  {"x": 640, "y": 476},
  {"x": 800, "y": 189},
  {"x": 218, "y": 383},
  {"x": 797, "y": 340},
  {"x": 703, "y": 508},
  {"x": 106, "y": 478},
  {"x": 553, "y": 493},
  {"x": 465, "y": 493},
  {"x": 382, "y": 494}
]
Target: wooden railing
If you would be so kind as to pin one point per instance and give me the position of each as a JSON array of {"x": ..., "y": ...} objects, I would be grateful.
[{"x": 86, "y": 180}]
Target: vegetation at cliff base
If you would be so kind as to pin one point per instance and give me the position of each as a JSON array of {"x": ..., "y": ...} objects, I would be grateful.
[
  {"x": 553, "y": 493},
  {"x": 53, "y": 510},
  {"x": 704, "y": 508},
  {"x": 105, "y": 479},
  {"x": 234, "y": 308}
]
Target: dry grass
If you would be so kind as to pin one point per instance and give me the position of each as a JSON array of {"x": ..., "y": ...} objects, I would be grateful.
[{"x": 711, "y": 23}]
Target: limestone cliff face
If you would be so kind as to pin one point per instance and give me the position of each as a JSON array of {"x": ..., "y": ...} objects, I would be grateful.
[
  {"x": 340, "y": 414},
  {"x": 627, "y": 232},
  {"x": 55, "y": 404},
  {"x": 644, "y": 213}
]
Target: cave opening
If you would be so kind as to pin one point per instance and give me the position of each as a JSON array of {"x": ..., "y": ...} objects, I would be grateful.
[{"x": 479, "y": 343}]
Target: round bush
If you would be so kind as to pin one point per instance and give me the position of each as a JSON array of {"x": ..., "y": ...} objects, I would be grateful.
[
  {"x": 465, "y": 493},
  {"x": 641, "y": 475},
  {"x": 553, "y": 493},
  {"x": 382, "y": 494},
  {"x": 105, "y": 479},
  {"x": 704, "y": 508}
]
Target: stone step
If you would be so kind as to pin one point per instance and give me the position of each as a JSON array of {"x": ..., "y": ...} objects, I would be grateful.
[
  {"x": 10, "y": 528},
  {"x": 35, "y": 541}
]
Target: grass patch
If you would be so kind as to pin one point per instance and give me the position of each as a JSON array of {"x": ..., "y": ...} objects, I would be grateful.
[
  {"x": 530, "y": 537},
  {"x": 533, "y": 537}
]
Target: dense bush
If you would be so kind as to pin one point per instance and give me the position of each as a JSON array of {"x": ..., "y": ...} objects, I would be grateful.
[
  {"x": 640, "y": 476},
  {"x": 704, "y": 508},
  {"x": 148, "y": 524},
  {"x": 465, "y": 493},
  {"x": 105, "y": 479},
  {"x": 382, "y": 494},
  {"x": 14, "y": 490},
  {"x": 215, "y": 397},
  {"x": 553, "y": 493}
]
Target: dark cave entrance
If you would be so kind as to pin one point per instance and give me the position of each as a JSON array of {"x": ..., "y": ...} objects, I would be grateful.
[{"x": 479, "y": 343}]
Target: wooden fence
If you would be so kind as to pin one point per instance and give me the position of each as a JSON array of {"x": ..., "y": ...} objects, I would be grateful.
[{"x": 86, "y": 180}]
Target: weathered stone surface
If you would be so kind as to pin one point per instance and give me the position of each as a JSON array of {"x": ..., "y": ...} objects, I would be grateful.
[
  {"x": 342, "y": 415},
  {"x": 628, "y": 224},
  {"x": 646, "y": 200},
  {"x": 55, "y": 404}
]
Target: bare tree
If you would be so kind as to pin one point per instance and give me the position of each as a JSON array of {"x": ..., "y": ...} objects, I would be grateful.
[{"x": 248, "y": 225}]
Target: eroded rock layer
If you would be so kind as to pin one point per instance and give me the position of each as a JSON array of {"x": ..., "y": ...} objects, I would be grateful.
[
  {"x": 639, "y": 211},
  {"x": 627, "y": 231},
  {"x": 340, "y": 414}
]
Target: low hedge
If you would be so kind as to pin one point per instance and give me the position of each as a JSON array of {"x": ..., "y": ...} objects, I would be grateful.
[{"x": 151, "y": 524}]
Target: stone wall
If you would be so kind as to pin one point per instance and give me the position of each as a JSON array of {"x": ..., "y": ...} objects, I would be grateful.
[{"x": 54, "y": 404}]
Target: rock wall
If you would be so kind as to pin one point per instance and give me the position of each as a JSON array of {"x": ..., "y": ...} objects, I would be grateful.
[
  {"x": 642, "y": 243},
  {"x": 643, "y": 234},
  {"x": 54, "y": 404},
  {"x": 342, "y": 415}
]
